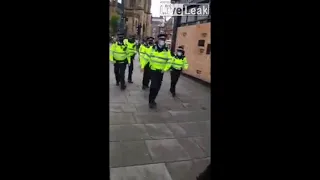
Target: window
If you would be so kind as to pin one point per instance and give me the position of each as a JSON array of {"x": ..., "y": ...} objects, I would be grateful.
[
  {"x": 201, "y": 43},
  {"x": 208, "y": 49}
]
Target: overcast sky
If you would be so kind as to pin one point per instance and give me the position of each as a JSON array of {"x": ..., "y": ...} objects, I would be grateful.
[{"x": 155, "y": 8}]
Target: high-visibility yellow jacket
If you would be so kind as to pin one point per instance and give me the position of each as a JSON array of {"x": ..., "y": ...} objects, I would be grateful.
[
  {"x": 179, "y": 63},
  {"x": 119, "y": 53},
  {"x": 142, "y": 52},
  {"x": 131, "y": 48},
  {"x": 158, "y": 60}
]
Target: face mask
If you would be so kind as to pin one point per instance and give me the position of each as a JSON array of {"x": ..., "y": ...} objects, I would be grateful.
[
  {"x": 161, "y": 43},
  {"x": 150, "y": 42},
  {"x": 179, "y": 53}
]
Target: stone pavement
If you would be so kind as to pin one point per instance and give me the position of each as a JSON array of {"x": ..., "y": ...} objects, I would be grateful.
[{"x": 169, "y": 143}]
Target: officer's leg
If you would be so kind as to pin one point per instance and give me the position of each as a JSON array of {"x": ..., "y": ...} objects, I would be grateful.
[
  {"x": 146, "y": 77},
  {"x": 174, "y": 79},
  {"x": 122, "y": 75},
  {"x": 130, "y": 70},
  {"x": 156, "y": 80},
  {"x": 116, "y": 73},
  {"x": 153, "y": 87}
]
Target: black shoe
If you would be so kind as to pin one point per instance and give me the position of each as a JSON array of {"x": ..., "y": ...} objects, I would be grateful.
[
  {"x": 117, "y": 84},
  {"x": 130, "y": 81},
  {"x": 172, "y": 93},
  {"x": 123, "y": 87},
  {"x": 144, "y": 87},
  {"x": 152, "y": 105}
]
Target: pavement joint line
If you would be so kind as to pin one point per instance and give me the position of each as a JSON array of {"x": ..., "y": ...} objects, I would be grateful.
[
  {"x": 201, "y": 136},
  {"x": 171, "y": 122},
  {"x": 163, "y": 162}
]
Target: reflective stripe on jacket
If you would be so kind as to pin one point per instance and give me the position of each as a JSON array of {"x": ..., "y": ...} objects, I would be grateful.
[
  {"x": 159, "y": 60},
  {"x": 179, "y": 63},
  {"x": 143, "y": 59}
]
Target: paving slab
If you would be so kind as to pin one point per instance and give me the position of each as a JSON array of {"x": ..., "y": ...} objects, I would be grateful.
[
  {"x": 166, "y": 150},
  {"x": 144, "y": 107},
  {"x": 159, "y": 131},
  {"x": 186, "y": 116},
  {"x": 204, "y": 143},
  {"x": 128, "y": 132},
  {"x": 199, "y": 165},
  {"x": 128, "y": 153},
  {"x": 122, "y": 107},
  {"x": 204, "y": 127},
  {"x": 152, "y": 117},
  {"x": 191, "y": 128},
  {"x": 193, "y": 149},
  {"x": 121, "y": 118},
  {"x": 143, "y": 172},
  {"x": 181, "y": 170},
  {"x": 177, "y": 130},
  {"x": 187, "y": 170}
]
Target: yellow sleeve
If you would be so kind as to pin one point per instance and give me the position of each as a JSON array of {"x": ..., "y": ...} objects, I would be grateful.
[
  {"x": 141, "y": 51},
  {"x": 128, "y": 57},
  {"x": 111, "y": 52},
  {"x": 146, "y": 57},
  {"x": 169, "y": 62},
  {"x": 185, "y": 65}
]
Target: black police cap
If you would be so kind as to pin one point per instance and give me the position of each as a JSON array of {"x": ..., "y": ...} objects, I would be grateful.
[
  {"x": 162, "y": 36},
  {"x": 120, "y": 35}
]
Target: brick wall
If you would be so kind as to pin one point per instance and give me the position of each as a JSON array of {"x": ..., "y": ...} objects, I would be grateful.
[{"x": 199, "y": 62}]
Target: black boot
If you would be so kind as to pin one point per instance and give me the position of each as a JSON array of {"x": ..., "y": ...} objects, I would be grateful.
[
  {"x": 152, "y": 105},
  {"x": 117, "y": 84},
  {"x": 130, "y": 81},
  {"x": 173, "y": 93},
  {"x": 123, "y": 87},
  {"x": 144, "y": 87}
]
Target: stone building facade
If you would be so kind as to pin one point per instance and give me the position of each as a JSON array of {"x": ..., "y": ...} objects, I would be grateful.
[{"x": 137, "y": 12}]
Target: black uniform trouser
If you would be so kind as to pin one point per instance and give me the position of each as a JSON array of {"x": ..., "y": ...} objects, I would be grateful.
[
  {"x": 119, "y": 72},
  {"x": 131, "y": 68},
  {"x": 175, "y": 74},
  {"x": 156, "y": 81},
  {"x": 146, "y": 76}
]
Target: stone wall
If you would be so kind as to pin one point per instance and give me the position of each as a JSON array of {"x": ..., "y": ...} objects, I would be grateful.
[{"x": 198, "y": 58}]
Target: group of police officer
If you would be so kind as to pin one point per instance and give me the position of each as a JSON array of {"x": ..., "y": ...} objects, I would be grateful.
[{"x": 155, "y": 59}]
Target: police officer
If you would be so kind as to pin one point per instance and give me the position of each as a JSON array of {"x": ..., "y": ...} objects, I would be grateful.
[
  {"x": 179, "y": 63},
  {"x": 144, "y": 62},
  {"x": 159, "y": 58},
  {"x": 131, "y": 48},
  {"x": 119, "y": 56}
]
